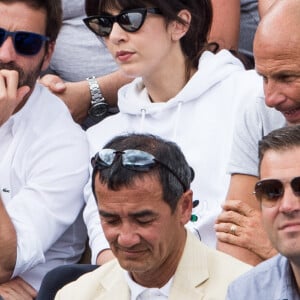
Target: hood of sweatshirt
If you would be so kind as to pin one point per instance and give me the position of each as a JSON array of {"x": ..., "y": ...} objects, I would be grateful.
[{"x": 212, "y": 69}]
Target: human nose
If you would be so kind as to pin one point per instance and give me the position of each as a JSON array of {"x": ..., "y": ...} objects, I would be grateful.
[
  {"x": 127, "y": 236},
  {"x": 273, "y": 93},
  {"x": 117, "y": 33},
  {"x": 289, "y": 202},
  {"x": 7, "y": 51}
]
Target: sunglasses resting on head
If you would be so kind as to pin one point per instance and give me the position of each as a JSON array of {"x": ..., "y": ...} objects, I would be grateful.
[
  {"x": 130, "y": 20},
  {"x": 269, "y": 191},
  {"x": 136, "y": 160},
  {"x": 132, "y": 159},
  {"x": 25, "y": 43}
]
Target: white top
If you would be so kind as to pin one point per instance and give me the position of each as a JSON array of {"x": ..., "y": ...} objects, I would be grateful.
[
  {"x": 200, "y": 119},
  {"x": 139, "y": 292},
  {"x": 5, "y": 137},
  {"x": 42, "y": 177},
  {"x": 256, "y": 121}
]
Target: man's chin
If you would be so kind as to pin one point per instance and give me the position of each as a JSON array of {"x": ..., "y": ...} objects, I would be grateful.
[{"x": 132, "y": 267}]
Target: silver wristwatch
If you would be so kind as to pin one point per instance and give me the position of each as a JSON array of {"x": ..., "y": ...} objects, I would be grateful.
[{"x": 99, "y": 107}]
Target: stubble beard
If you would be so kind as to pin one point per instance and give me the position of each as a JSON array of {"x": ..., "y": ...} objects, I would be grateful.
[{"x": 25, "y": 78}]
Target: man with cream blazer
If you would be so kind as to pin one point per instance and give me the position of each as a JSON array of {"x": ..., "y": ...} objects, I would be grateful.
[
  {"x": 202, "y": 273},
  {"x": 142, "y": 186}
]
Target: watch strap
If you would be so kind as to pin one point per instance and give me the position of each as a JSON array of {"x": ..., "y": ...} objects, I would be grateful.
[
  {"x": 96, "y": 94},
  {"x": 99, "y": 107}
]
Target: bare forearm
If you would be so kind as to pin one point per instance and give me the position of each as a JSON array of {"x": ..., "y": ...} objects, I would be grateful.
[
  {"x": 104, "y": 256},
  {"x": 264, "y": 6},
  {"x": 8, "y": 245},
  {"x": 17, "y": 289},
  {"x": 77, "y": 96},
  {"x": 240, "y": 253},
  {"x": 110, "y": 85},
  {"x": 226, "y": 23}
]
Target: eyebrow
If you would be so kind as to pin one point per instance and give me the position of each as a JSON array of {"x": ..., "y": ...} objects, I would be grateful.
[
  {"x": 138, "y": 214},
  {"x": 106, "y": 214},
  {"x": 281, "y": 73},
  {"x": 143, "y": 213}
]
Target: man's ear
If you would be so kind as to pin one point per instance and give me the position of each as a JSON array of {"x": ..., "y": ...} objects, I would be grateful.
[
  {"x": 48, "y": 55},
  {"x": 185, "y": 206},
  {"x": 180, "y": 29}
]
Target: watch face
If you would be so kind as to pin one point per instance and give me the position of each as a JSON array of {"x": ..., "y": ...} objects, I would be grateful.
[{"x": 98, "y": 109}]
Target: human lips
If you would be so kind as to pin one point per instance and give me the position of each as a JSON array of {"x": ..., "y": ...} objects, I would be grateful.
[
  {"x": 131, "y": 254},
  {"x": 131, "y": 251},
  {"x": 291, "y": 115},
  {"x": 290, "y": 226},
  {"x": 124, "y": 55}
]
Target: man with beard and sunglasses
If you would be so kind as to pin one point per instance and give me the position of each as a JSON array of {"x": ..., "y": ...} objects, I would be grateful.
[
  {"x": 142, "y": 186},
  {"x": 43, "y": 155},
  {"x": 278, "y": 194}
]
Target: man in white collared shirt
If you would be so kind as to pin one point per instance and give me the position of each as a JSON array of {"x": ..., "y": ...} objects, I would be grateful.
[{"x": 43, "y": 155}]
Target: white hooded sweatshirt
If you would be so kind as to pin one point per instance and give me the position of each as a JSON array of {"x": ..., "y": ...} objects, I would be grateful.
[{"x": 200, "y": 119}]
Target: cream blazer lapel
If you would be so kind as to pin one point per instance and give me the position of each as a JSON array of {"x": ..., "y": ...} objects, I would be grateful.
[
  {"x": 105, "y": 283},
  {"x": 192, "y": 271},
  {"x": 115, "y": 285}
]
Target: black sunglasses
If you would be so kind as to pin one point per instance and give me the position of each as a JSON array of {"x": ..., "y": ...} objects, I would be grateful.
[
  {"x": 132, "y": 159},
  {"x": 130, "y": 20},
  {"x": 25, "y": 43},
  {"x": 269, "y": 191}
]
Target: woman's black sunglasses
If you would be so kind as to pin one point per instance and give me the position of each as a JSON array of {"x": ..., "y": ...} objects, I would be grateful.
[
  {"x": 25, "y": 43},
  {"x": 269, "y": 191},
  {"x": 130, "y": 20},
  {"x": 132, "y": 159}
]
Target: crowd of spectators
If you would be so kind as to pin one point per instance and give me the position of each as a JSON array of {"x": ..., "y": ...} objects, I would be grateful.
[{"x": 109, "y": 107}]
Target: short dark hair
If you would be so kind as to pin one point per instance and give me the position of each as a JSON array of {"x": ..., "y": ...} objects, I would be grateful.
[
  {"x": 53, "y": 9},
  {"x": 193, "y": 43},
  {"x": 279, "y": 140},
  {"x": 117, "y": 176}
]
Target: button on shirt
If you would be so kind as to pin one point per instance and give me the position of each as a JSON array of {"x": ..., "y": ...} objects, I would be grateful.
[
  {"x": 5, "y": 137},
  {"x": 273, "y": 279},
  {"x": 139, "y": 292}
]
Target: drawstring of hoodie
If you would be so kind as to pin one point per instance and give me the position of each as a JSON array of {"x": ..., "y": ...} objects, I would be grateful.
[
  {"x": 142, "y": 122},
  {"x": 176, "y": 121}
]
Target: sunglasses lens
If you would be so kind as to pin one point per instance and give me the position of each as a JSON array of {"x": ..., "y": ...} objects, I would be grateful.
[
  {"x": 131, "y": 159},
  {"x": 131, "y": 21},
  {"x": 2, "y": 36},
  {"x": 268, "y": 191},
  {"x": 101, "y": 26},
  {"x": 138, "y": 159},
  {"x": 106, "y": 157},
  {"x": 295, "y": 184},
  {"x": 27, "y": 43}
]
